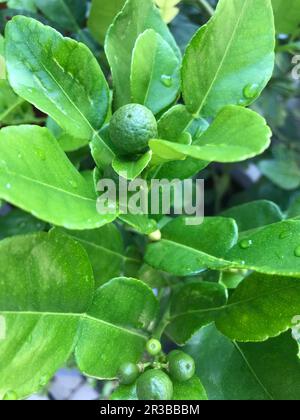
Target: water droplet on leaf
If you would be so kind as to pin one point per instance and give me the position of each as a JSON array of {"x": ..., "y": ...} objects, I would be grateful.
[
  {"x": 41, "y": 154},
  {"x": 166, "y": 80},
  {"x": 297, "y": 251},
  {"x": 251, "y": 91},
  {"x": 8, "y": 186},
  {"x": 246, "y": 243},
  {"x": 73, "y": 184},
  {"x": 284, "y": 235}
]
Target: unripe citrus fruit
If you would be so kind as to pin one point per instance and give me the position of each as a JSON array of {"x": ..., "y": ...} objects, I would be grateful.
[
  {"x": 128, "y": 373},
  {"x": 181, "y": 366},
  {"x": 154, "y": 385},
  {"x": 131, "y": 128}
]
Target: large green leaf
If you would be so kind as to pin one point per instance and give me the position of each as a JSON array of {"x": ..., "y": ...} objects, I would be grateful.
[
  {"x": 233, "y": 371},
  {"x": 105, "y": 249},
  {"x": 192, "y": 307},
  {"x": 272, "y": 250},
  {"x": 16, "y": 222},
  {"x": 59, "y": 76},
  {"x": 260, "y": 308},
  {"x": 220, "y": 66},
  {"x": 136, "y": 17},
  {"x": 235, "y": 135},
  {"x": 69, "y": 14},
  {"x": 254, "y": 215},
  {"x": 101, "y": 17},
  {"x": 155, "y": 78},
  {"x": 36, "y": 176},
  {"x": 115, "y": 329},
  {"x": 287, "y": 19},
  {"x": 46, "y": 283},
  {"x": 189, "y": 249},
  {"x": 28, "y": 5}
]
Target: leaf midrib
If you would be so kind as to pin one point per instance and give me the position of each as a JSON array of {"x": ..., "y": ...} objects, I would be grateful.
[
  {"x": 82, "y": 317},
  {"x": 227, "y": 50}
]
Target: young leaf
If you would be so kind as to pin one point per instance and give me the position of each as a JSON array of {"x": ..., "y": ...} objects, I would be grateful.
[
  {"x": 260, "y": 308},
  {"x": 194, "y": 306},
  {"x": 101, "y": 17},
  {"x": 136, "y": 17},
  {"x": 105, "y": 249},
  {"x": 36, "y": 176},
  {"x": 286, "y": 18},
  {"x": 232, "y": 371},
  {"x": 254, "y": 215},
  {"x": 235, "y": 135},
  {"x": 59, "y": 76},
  {"x": 132, "y": 168},
  {"x": 155, "y": 78},
  {"x": 187, "y": 249},
  {"x": 41, "y": 323},
  {"x": 274, "y": 250},
  {"x": 230, "y": 71},
  {"x": 168, "y": 9},
  {"x": 122, "y": 312},
  {"x": 139, "y": 222}
]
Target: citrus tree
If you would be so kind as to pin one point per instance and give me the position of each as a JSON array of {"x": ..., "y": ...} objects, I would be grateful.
[{"x": 167, "y": 308}]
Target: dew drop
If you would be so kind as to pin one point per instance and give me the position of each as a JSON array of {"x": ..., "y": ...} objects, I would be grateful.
[
  {"x": 41, "y": 154},
  {"x": 73, "y": 184},
  {"x": 251, "y": 91},
  {"x": 19, "y": 156},
  {"x": 166, "y": 80},
  {"x": 297, "y": 251},
  {"x": 10, "y": 396},
  {"x": 284, "y": 235},
  {"x": 8, "y": 186},
  {"x": 243, "y": 102},
  {"x": 246, "y": 243}
]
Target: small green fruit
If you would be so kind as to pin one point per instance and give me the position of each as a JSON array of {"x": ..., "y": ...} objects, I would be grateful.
[
  {"x": 131, "y": 128},
  {"x": 181, "y": 366},
  {"x": 128, "y": 373},
  {"x": 154, "y": 385},
  {"x": 153, "y": 347}
]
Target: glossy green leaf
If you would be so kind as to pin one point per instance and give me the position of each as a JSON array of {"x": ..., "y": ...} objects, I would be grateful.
[
  {"x": 69, "y": 14},
  {"x": 46, "y": 283},
  {"x": 192, "y": 307},
  {"x": 140, "y": 222},
  {"x": 272, "y": 250},
  {"x": 260, "y": 308},
  {"x": 155, "y": 77},
  {"x": 136, "y": 17},
  {"x": 16, "y": 222},
  {"x": 101, "y": 17},
  {"x": 131, "y": 169},
  {"x": 59, "y": 76},
  {"x": 287, "y": 19},
  {"x": 67, "y": 142},
  {"x": 187, "y": 249},
  {"x": 236, "y": 134},
  {"x": 191, "y": 390},
  {"x": 115, "y": 329},
  {"x": 220, "y": 66},
  {"x": 174, "y": 122},
  {"x": 255, "y": 214},
  {"x": 256, "y": 371},
  {"x": 105, "y": 249},
  {"x": 36, "y": 176}
]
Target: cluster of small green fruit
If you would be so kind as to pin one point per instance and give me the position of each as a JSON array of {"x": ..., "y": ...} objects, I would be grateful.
[{"x": 154, "y": 380}]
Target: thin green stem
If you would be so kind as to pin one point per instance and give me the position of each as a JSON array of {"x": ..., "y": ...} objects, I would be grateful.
[{"x": 162, "y": 325}]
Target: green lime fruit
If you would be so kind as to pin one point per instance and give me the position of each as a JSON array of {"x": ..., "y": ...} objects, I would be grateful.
[
  {"x": 154, "y": 385},
  {"x": 131, "y": 128},
  {"x": 181, "y": 366},
  {"x": 128, "y": 373},
  {"x": 153, "y": 347}
]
